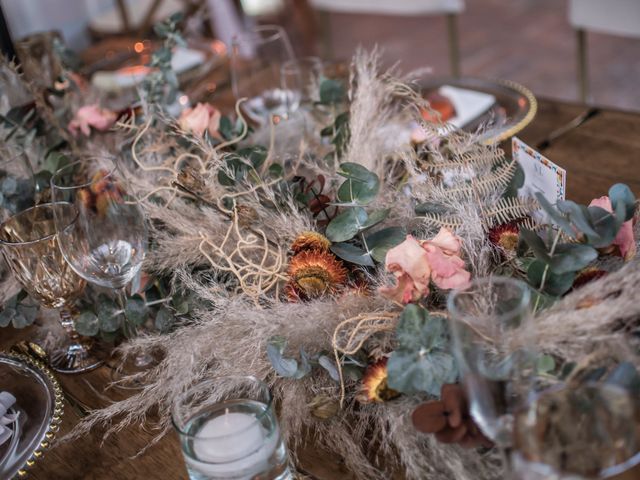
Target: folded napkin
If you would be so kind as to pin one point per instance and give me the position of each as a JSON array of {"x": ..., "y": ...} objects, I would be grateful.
[{"x": 6, "y": 402}]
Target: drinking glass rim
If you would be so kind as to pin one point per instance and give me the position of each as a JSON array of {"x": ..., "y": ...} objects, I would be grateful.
[
  {"x": 278, "y": 31},
  {"x": 230, "y": 435},
  {"x": 294, "y": 63},
  {"x": 57, "y": 173},
  {"x": 41, "y": 239},
  {"x": 524, "y": 300}
]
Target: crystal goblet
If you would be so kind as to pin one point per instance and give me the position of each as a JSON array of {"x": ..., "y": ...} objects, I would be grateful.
[{"x": 30, "y": 246}]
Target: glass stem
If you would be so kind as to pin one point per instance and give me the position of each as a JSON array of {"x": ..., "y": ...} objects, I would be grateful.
[
  {"x": 66, "y": 320},
  {"x": 121, "y": 297}
]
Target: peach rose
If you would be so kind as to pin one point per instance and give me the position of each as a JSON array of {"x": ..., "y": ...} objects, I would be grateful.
[
  {"x": 203, "y": 117},
  {"x": 410, "y": 265},
  {"x": 624, "y": 240},
  {"x": 415, "y": 263},
  {"x": 92, "y": 116}
]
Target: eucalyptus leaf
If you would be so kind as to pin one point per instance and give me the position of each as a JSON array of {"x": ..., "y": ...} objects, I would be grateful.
[
  {"x": 605, "y": 225},
  {"x": 421, "y": 363},
  {"x": 572, "y": 257},
  {"x": 286, "y": 367},
  {"x": 555, "y": 284},
  {"x": 380, "y": 242},
  {"x": 545, "y": 364},
  {"x": 305, "y": 365},
  {"x": 578, "y": 214},
  {"x": 626, "y": 376},
  {"x": 164, "y": 320},
  {"x": 346, "y": 225},
  {"x": 516, "y": 182},
  {"x": 621, "y": 194},
  {"x": 375, "y": 218},
  {"x": 87, "y": 324},
  {"x": 409, "y": 372},
  {"x": 554, "y": 215},
  {"x": 352, "y": 254},
  {"x": 331, "y": 92},
  {"x": 330, "y": 366},
  {"x": 360, "y": 187},
  {"x": 109, "y": 315},
  {"x": 136, "y": 310},
  {"x": 6, "y": 315},
  {"x": 533, "y": 240}
]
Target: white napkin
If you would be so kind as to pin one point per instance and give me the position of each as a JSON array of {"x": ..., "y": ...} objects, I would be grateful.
[
  {"x": 469, "y": 104},
  {"x": 6, "y": 402}
]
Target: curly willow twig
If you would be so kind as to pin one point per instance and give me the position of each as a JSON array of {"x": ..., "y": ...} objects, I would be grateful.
[{"x": 256, "y": 277}]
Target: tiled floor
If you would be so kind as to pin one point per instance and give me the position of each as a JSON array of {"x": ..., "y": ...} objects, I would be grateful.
[{"x": 529, "y": 41}]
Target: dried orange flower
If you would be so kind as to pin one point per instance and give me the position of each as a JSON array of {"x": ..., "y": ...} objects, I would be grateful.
[
  {"x": 374, "y": 384},
  {"x": 314, "y": 273},
  {"x": 505, "y": 236},
  {"x": 310, "y": 241}
]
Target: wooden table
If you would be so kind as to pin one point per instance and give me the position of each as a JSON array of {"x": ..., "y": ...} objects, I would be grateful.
[{"x": 602, "y": 151}]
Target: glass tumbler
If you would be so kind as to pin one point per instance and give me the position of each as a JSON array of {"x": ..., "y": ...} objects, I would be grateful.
[
  {"x": 228, "y": 430},
  {"x": 492, "y": 342}
]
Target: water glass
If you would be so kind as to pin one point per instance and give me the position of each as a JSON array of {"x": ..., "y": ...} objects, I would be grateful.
[
  {"x": 228, "y": 430},
  {"x": 257, "y": 57},
  {"x": 302, "y": 77},
  {"x": 30, "y": 245},
  {"x": 492, "y": 341},
  {"x": 578, "y": 432}
]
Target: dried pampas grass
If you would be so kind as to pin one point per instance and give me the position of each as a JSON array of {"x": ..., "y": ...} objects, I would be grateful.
[{"x": 229, "y": 335}]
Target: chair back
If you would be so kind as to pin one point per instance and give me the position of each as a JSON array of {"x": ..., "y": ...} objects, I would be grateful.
[
  {"x": 391, "y": 7},
  {"x": 614, "y": 17}
]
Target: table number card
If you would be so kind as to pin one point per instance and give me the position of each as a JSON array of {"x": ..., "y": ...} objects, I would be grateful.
[{"x": 540, "y": 173}]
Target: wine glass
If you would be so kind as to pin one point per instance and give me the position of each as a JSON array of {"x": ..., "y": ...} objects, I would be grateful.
[
  {"x": 492, "y": 339},
  {"x": 106, "y": 246},
  {"x": 301, "y": 76},
  {"x": 30, "y": 246},
  {"x": 257, "y": 56}
]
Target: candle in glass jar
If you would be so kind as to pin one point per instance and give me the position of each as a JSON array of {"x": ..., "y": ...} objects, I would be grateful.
[{"x": 235, "y": 444}]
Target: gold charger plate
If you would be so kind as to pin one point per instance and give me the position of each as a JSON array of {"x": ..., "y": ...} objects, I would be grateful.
[
  {"x": 39, "y": 401},
  {"x": 514, "y": 109}
]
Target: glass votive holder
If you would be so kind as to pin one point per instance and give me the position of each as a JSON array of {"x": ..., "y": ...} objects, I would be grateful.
[{"x": 228, "y": 430}]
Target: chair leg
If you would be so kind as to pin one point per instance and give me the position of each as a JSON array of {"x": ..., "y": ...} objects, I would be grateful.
[
  {"x": 454, "y": 46},
  {"x": 583, "y": 68}
]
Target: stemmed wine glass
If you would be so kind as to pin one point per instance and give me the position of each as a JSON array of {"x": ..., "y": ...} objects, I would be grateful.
[
  {"x": 106, "y": 245},
  {"x": 30, "y": 246},
  {"x": 257, "y": 57},
  {"x": 492, "y": 340}
]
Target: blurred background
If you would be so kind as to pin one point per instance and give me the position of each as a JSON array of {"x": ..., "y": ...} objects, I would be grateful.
[{"x": 561, "y": 49}]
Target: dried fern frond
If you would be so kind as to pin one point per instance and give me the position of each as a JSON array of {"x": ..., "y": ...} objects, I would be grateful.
[
  {"x": 436, "y": 220},
  {"x": 509, "y": 209},
  {"x": 496, "y": 181}
]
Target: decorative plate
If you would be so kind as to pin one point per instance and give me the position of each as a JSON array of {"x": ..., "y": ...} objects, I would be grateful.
[
  {"x": 514, "y": 108},
  {"x": 39, "y": 403}
]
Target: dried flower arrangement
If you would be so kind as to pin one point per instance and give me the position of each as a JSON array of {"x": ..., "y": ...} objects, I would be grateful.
[{"x": 320, "y": 263}]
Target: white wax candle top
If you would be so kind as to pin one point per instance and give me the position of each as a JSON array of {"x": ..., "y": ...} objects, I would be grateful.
[{"x": 228, "y": 437}]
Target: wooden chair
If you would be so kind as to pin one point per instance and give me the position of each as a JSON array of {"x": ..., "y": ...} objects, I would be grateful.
[
  {"x": 133, "y": 17},
  {"x": 448, "y": 8},
  {"x": 613, "y": 17}
]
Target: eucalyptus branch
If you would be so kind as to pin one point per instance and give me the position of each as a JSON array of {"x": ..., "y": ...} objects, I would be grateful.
[{"x": 546, "y": 270}]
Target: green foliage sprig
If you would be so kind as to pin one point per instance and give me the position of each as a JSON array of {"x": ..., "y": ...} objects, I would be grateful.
[
  {"x": 349, "y": 229},
  {"x": 556, "y": 264},
  {"x": 422, "y": 362},
  {"x": 160, "y": 87}
]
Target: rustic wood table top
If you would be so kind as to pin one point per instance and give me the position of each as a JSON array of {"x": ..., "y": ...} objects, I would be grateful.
[{"x": 602, "y": 151}]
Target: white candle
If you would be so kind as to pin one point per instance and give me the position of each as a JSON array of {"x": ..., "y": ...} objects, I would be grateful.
[{"x": 233, "y": 444}]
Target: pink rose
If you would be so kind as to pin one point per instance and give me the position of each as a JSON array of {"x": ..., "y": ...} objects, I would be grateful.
[
  {"x": 203, "y": 117},
  {"x": 415, "y": 263},
  {"x": 624, "y": 240},
  {"x": 409, "y": 263},
  {"x": 92, "y": 116}
]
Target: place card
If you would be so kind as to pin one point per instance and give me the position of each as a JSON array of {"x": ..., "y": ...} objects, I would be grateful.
[{"x": 540, "y": 174}]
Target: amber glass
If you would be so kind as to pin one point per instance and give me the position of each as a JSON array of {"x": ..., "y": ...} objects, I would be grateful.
[{"x": 30, "y": 246}]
